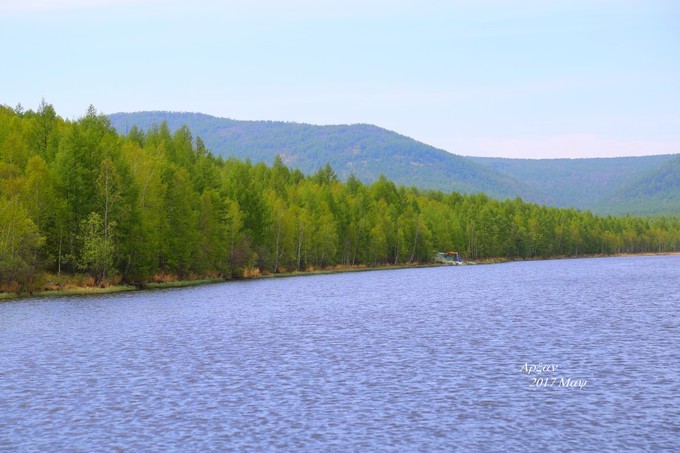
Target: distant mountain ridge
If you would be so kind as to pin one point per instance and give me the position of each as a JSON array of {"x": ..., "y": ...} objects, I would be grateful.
[
  {"x": 360, "y": 149},
  {"x": 606, "y": 186},
  {"x": 644, "y": 185},
  {"x": 656, "y": 192}
]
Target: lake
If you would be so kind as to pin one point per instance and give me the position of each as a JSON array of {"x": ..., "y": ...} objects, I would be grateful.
[{"x": 580, "y": 354}]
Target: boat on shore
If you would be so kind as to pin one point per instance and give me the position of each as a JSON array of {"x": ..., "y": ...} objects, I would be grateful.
[{"x": 450, "y": 258}]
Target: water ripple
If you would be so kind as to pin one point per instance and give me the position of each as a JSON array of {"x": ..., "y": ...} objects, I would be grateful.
[{"x": 407, "y": 360}]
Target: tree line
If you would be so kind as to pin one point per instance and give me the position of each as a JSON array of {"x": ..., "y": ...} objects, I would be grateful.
[{"x": 77, "y": 197}]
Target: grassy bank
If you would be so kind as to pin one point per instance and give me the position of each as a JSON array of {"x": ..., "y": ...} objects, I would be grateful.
[
  {"x": 72, "y": 285},
  {"x": 80, "y": 284}
]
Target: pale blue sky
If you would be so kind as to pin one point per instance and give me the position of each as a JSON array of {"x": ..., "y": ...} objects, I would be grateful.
[{"x": 525, "y": 78}]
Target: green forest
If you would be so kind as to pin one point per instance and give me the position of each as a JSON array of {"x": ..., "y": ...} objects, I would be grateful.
[{"x": 78, "y": 198}]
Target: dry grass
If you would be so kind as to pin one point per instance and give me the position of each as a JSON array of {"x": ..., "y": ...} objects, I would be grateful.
[{"x": 252, "y": 272}]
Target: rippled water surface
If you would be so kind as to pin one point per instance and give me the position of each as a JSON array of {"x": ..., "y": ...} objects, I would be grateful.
[{"x": 416, "y": 359}]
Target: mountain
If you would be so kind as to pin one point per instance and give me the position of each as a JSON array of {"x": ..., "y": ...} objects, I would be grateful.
[
  {"x": 360, "y": 149},
  {"x": 657, "y": 192},
  {"x": 645, "y": 185}
]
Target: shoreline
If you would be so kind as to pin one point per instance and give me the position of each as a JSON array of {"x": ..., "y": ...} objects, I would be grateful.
[
  {"x": 499, "y": 260},
  {"x": 119, "y": 288}
]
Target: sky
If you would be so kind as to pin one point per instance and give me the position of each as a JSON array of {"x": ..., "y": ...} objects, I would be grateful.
[{"x": 502, "y": 78}]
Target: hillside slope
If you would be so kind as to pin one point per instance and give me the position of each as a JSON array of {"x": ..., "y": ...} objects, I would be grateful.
[
  {"x": 622, "y": 185},
  {"x": 360, "y": 149},
  {"x": 646, "y": 185},
  {"x": 657, "y": 192}
]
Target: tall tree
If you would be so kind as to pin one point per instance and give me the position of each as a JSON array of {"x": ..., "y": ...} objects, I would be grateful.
[
  {"x": 97, "y": 255},
  {"x": 20, "y": 241}
]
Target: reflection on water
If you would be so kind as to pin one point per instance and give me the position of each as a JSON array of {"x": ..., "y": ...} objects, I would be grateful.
[{"x": 417, "y": 359}]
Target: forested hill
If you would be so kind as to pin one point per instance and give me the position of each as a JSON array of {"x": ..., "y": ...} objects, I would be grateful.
[
  {"x": 658, "y": 191},
  {"x": 645, "y": 185},
  {"x": 619, "y": 186},
  {"x": 361, "y": 149}
]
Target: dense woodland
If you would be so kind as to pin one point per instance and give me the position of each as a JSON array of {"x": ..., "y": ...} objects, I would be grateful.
[{"x": 77, "y": 197}]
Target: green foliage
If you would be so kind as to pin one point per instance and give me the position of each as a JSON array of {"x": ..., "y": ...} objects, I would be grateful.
[
  {"x": 77, "y": 196},
  {"x": 97, "y": 253},
  {"x": 20, "y": 241}
]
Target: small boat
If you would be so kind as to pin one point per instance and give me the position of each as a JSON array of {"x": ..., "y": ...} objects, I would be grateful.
[{"x": 452, "y": 258}]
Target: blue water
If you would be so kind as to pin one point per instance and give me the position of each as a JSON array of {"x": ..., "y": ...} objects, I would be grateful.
[{"x": 403, "y": 360}]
